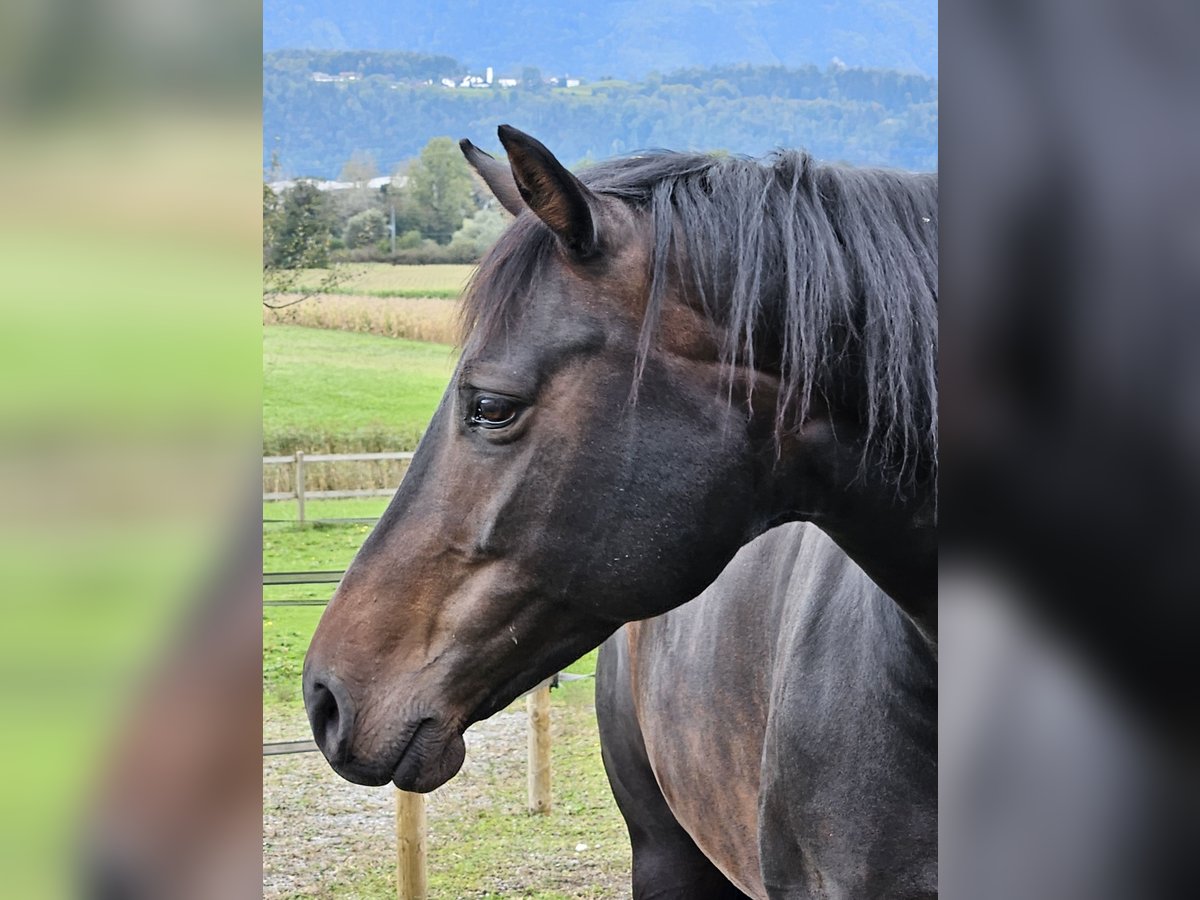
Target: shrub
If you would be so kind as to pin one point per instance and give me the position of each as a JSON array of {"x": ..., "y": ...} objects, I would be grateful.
[
  {"x": 410, "y": 240},
  {"x": 366, "y": 228},
  {"x": 479, "y": 232}
]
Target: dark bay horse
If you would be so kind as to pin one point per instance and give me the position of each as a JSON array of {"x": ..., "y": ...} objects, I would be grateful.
[
  {"x": 776, "y": 736},
  {"x": 664, "y": 358}
]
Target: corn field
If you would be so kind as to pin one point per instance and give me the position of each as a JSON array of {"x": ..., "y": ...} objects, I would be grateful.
[{"x": 414, "y": 319}]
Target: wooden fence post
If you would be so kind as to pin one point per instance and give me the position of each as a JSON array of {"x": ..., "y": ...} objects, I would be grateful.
[
  {"x": 411, "y": 882},
  {"x": 538, "y": 705},
  {"x": 300, "y": 484}
]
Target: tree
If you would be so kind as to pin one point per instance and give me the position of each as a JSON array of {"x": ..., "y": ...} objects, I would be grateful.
[
  {"x": 366, "y": 228},
  {"x": 479, "y": 232},
  {"x": 344, "y": 204},
  {"x": 296, "y": 231},
  {"x": 272, "y": 220},
  {"x": 359, "y": 169},
  {"x": 301, "y": 233},
  {"x": 440, "y": 189},
  {"x": 396, "y": 196},
  {"x": 531, "y": 79}
]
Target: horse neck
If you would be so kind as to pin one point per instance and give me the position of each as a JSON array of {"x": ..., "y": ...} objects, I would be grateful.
[{"x": 890, "y": 533}]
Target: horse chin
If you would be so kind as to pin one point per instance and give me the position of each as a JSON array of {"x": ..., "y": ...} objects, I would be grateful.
[
  {"x": 359, "y": 774},
  {"x": 429, "y": 760}
]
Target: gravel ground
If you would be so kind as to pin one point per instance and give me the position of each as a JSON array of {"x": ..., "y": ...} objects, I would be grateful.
[{"x": 324, "y": 837}]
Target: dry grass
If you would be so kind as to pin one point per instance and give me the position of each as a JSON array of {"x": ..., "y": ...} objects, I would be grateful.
[
  {"x": 385, "y": 280},
  {"x": 339, "y": 476},
  {"x": 415, "y": 319}
]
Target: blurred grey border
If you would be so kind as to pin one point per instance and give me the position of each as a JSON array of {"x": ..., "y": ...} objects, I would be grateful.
[
  {"x": 1071, "y": 437},
  {"x": 130, "y": 370}
]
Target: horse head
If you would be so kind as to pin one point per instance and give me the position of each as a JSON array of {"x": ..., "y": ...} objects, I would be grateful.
[{"x": 598, "y": 457}]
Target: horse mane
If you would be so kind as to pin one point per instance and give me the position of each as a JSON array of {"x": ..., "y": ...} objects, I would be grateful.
[{"x": 823, "y": 274}]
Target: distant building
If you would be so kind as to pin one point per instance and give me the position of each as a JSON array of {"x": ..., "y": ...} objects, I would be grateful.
[
  {"x": 339, "y": 78},
  {"x": 397, "y": 181},
  {"x": 507, "y": 82}
]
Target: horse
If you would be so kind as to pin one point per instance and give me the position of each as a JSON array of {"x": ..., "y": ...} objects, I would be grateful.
[
  {"x": 785, "y": 720},
  {"x": 663, "y": 358}
]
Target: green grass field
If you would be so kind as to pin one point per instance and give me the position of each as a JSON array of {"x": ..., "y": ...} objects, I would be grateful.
[
  {"x": 287, "y": 630},
  {"x": 342, "y": 391},
  {"x": 386, "y": 280},
  {"x": 282, "y": 511}
]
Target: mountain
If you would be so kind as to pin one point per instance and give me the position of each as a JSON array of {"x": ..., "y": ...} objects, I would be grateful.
[
  {"x": 322, "y": 108},
  {"x": 625, "y": 39}
]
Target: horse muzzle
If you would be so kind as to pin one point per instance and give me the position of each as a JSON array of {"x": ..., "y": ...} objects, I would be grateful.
[{"x": 425, "y": 754}]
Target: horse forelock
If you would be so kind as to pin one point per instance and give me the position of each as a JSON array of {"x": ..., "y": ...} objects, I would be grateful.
[{"x": 825, "y": 275}]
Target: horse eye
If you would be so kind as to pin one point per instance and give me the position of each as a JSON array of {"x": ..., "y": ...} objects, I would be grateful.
[{"x": 494, "y": 412}]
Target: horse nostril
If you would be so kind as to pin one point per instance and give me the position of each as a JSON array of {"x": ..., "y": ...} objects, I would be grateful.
[
  {"x": 331, "y": 716},
  {"x": 324, "y": 715}
]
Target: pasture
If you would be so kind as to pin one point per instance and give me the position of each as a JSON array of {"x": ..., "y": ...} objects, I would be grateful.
[
  {"x": 287, "y": 548},
  {"x": 336, "y": 391}
]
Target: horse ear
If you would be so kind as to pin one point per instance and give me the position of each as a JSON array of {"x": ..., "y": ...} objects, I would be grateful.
[
  {"x": 556, "y": 196},
  {"x": 496, "y": 175}
]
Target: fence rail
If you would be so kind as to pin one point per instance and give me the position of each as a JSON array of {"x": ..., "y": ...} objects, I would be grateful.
[
  {"x": 300, "y": 494},
  {"x": 324, "y": 576}
]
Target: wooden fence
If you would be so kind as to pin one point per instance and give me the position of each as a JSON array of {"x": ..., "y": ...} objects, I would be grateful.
[{"x": 299, "y": 459}]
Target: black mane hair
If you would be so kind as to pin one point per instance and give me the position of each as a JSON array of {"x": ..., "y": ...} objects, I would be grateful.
[{"x": 823, "y": 274}]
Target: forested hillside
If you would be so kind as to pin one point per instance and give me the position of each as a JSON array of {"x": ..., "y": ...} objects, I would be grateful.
[
  {"x": 387, "y": 112},
  {"x": 619, "y": 38}
]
